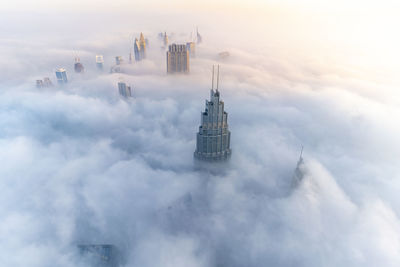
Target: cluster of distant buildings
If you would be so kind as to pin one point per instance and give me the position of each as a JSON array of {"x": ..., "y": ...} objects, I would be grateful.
[{"x": 177, "y": 60}]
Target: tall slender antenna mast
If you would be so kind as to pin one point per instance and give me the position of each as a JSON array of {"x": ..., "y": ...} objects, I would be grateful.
[
  {"x": 212, "y": 83},
  {"x": 301, "y": 153},
  {"x": 217, "y": 77}
]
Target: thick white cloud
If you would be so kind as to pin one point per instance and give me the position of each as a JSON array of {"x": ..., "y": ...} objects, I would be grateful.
[{"x": 79, "y": 164}]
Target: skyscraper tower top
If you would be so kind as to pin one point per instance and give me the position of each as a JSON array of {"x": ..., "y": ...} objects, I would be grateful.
[
  {"x": 139, "y": 47},
  {"x": 99, "y": 62},
  {"x": 136, "y": 48},
  {"x": 124, "y": 89},
  {"x": 198, "y": 36},
  {"x": 142, "y": 43},
  {"x": 78, "y": 67},
  {"x": 213, "y": 138},
  {"x": 165, "y": 39},
  {"x": 177, "y": 59},
  {"x": 61, "y": 75},
  {"x": 142, "y": 40},
  {"x": 99, "y": 59},
  {"x": 119, "y": 60}
]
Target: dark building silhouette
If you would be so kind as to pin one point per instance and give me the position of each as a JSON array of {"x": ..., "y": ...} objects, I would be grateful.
[
  {"x": 119, "y": 60},
  {"x": 78, "y": 67},
  {"x": 124, "y": 89},
  {"x": 99, "y": 62}
]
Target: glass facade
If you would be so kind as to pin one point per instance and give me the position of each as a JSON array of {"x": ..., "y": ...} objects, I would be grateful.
[
  {"x": 61, "y": 75},
  {"x": 213, "y": 138}
]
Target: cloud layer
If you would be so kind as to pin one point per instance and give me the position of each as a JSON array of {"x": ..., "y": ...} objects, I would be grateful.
[{"x": 81, "y": 165}]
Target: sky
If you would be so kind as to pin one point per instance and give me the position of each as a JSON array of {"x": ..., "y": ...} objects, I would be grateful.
[{"x": 81, "y": 165}]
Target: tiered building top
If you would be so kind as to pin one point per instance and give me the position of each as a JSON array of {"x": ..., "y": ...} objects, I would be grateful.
[{"x": 213, "y": 138}]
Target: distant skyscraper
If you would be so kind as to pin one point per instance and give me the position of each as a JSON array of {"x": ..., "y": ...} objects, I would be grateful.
[
  {"x": 124, "y": 90},
  {"x": 139, "y": 47},
  {"x": 136, "y": 48},
  {"x": 213, "y": 138},
  {"x": 78, "y": 67},
  {"x": 298, "y": 172},
  {"x": 177, "y": 59},
  {"x": 130, "y": 57},
  {"x": 191, "y": 48},
  {"x": 99, "y": 62},
  {"x": 118, "y": 60},
  {"x": 44, "y": 83},
  {"x": 47, "y": 82},
  {"x": 165, "y": 40},
  {"x": 61, "y": 75},
  {"x": 39, "y": 83},
  {"x": 142, "y": 43}
]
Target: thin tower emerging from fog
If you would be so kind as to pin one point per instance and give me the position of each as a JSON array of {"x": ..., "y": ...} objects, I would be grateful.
[{"x": 214, "y": 137}]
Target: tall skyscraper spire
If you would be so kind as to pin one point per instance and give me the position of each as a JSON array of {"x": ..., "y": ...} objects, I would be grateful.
[{"x": 213, "y": 138}]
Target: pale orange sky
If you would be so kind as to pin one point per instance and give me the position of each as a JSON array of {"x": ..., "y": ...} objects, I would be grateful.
[{"x": 365, "y": 32}]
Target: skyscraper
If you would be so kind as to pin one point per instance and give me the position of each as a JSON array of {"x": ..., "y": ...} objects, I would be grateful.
[
  {"x": 61, "y": 75},
  {"x": 124, "y": 90},
  {"x": 136, "y": 48},
  {"x": 99, "y": 62},
  {"x": 142, "y": 45},
  {"x": 198, "y": 36},
  {"x": 118, "y": 60},
  {"x": 39, "y": 83},
  {"x": 165, "y": 40},
  {"x": 78, "y": 67},
  {"x": 213, "y": 138},
  {"x": 44, "y": 83},
  {"x": 47, "y": 82},
  {"x": 139, "y": 47},
  {"x": 130, "y": 57},
  {"x": 191, "y": 48},
  {"x": 177, "y": 59}
]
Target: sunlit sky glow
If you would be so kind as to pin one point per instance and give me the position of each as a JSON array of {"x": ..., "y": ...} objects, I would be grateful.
[{"x": 365, "y": 31}]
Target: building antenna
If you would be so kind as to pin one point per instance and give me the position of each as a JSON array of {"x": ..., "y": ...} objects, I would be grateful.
[
  {"x": 212, "y": 83},
  {"x": 218, "y": 77},
  {"x": 301, "y": 152}
]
